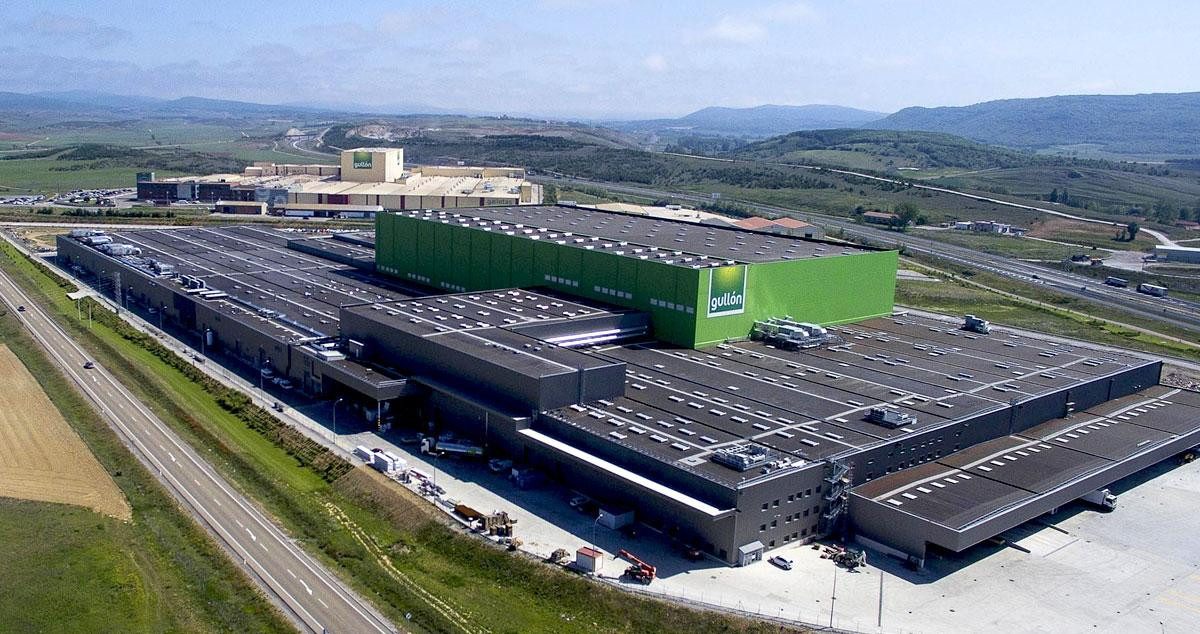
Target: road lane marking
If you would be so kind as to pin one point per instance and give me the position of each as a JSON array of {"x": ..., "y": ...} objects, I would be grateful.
[
  {"x": 306, "y": 586},
  {"x": 252, "y": 537},
  {"x": 289, "y": 571},
  {"x": 116, "y": 392}
]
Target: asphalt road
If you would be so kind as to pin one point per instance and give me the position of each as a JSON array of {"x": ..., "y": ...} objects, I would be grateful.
[
  {"x": 314, "y": 597},
  {"x": 1181, "y": 313}
]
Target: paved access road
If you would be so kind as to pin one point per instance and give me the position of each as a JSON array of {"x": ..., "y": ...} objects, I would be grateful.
[{"x": 314, "y": 597}]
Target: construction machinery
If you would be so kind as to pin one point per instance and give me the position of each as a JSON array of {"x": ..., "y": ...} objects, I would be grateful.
[
  {"x": 847, "y": 558},
  {"x": 639, "y": 570}
]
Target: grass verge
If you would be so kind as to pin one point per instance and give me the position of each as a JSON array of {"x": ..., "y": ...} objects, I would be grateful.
[
  {"x": 68, "y": 569},
  {"x": 955, "y": 296},
  {"x": 389, "y": 544}
]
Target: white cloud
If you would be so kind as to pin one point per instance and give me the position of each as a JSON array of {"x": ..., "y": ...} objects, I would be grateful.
[
  {"x": 737, "y": 30},
  {"x": 655, "y": 62},
  {"x": 66, "y": 28}
]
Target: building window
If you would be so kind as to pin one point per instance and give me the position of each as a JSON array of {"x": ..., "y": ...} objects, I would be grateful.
[
  {"x": 774, "y": 523},
  {"x": 805, "y": 512},
  {"x": 790, "y": 498},
  {"x": 776, "y": 504},
  {"x": 764, "y": 506},
  {"x": 762, "y": 527}
]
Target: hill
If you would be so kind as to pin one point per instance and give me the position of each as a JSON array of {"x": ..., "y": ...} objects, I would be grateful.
[
  {"x": 1129, "y": 125},
  {"x": 884, "y": 150},
  {"x": 756, "y": 122}
]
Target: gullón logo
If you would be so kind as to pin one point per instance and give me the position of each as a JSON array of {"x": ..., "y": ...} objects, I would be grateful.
[
  {"x": 362, "y": 160},
  {"x": 727, "y": 291}
]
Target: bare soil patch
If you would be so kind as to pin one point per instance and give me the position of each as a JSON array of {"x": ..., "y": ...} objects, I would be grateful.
[{"x": 41, "y": 457}]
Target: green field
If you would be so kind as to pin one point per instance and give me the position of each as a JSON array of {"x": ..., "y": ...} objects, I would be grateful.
[
  {"x": 67, "y": 569},
  {"x": 485, "y": 587},
  {"x": 1011, "y": 246},
  {"x": 150, "y": 132},
  {"x": 1042, "y": 311},
  {"x": 22, "y": 176}
]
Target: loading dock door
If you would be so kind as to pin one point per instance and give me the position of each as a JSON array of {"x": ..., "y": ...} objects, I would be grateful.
[{"x": 750, "y": 553}]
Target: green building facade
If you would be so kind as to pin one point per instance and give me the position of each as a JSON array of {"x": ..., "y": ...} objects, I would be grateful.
[{"x": 690, "y": 307}]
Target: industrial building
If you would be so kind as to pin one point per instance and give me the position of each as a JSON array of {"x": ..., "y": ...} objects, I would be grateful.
[
  {"x": 367, "y": 180},
  {"x": 700, "y": 284},
  {"x": 737, "y": 390},
  {"x": 1176, "y": 253}
]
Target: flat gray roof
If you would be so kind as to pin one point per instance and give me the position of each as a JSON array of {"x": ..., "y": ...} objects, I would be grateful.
[
  {"x": 965, "y": 486},
  {"x": 677, "y": 242},
  {"x": 682, "y": 405}
]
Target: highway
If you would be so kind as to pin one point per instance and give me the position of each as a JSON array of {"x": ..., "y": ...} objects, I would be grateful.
[
  {"x": 309, "y": 593},
  {"x": 1177, "y": 312}
]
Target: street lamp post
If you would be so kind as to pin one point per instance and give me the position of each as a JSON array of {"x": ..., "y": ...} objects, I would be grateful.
[
  {"x": 833, "y": 596},
  {"x": 335, "y": 404}
]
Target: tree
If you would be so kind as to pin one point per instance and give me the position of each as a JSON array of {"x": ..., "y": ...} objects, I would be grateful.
[
  {"x": 1054, "y": 195},
  {"x": 1131, "y": 230},
  {"x": 907, "y": 214}
]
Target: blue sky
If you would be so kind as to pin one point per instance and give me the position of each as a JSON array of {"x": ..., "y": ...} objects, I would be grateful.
[{"x": 607, "y": 58}]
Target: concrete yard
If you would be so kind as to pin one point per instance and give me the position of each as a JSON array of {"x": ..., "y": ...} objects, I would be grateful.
[{"x": 1136, "y": 569}]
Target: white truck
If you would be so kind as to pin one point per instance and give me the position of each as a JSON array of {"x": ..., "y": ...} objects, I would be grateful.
[
  {"x": 451, "y": 446},
  {"x": 1102, "y": 499}
]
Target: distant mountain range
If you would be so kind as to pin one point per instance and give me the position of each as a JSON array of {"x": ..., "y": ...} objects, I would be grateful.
[
  {"x": 757, "y": 122},
  {"x": 1129, "y": 125},
  {"x": 1164, "y": 123},
  {"x": 79, "y": 103}
]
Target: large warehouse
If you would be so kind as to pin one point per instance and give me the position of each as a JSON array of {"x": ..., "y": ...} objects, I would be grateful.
[
  {"x": 366, "y": 180},
  {"x": 563, "y": 338},
  {"x": 701, "y": 284}
]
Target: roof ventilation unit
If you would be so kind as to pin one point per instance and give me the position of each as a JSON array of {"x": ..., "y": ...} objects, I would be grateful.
[
  {"x": 890, "y": 418},
  {"x": 742, "y": 457}
]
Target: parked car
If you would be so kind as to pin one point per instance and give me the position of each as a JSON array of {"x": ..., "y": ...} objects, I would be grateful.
[
  {"x": 782, "y": 562},
  {"x": 285, "y": 384},
  {"x": 500, "y": 465},
  {"x": 578, "y": 501}
]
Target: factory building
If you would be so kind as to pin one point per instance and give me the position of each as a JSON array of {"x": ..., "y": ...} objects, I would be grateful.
[
  {"x": 700, "y": 284},
  {"x": 562, "y": 338},
  {"x": 367, "y": 179},
  {"x": 1176, "y": 253}
]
